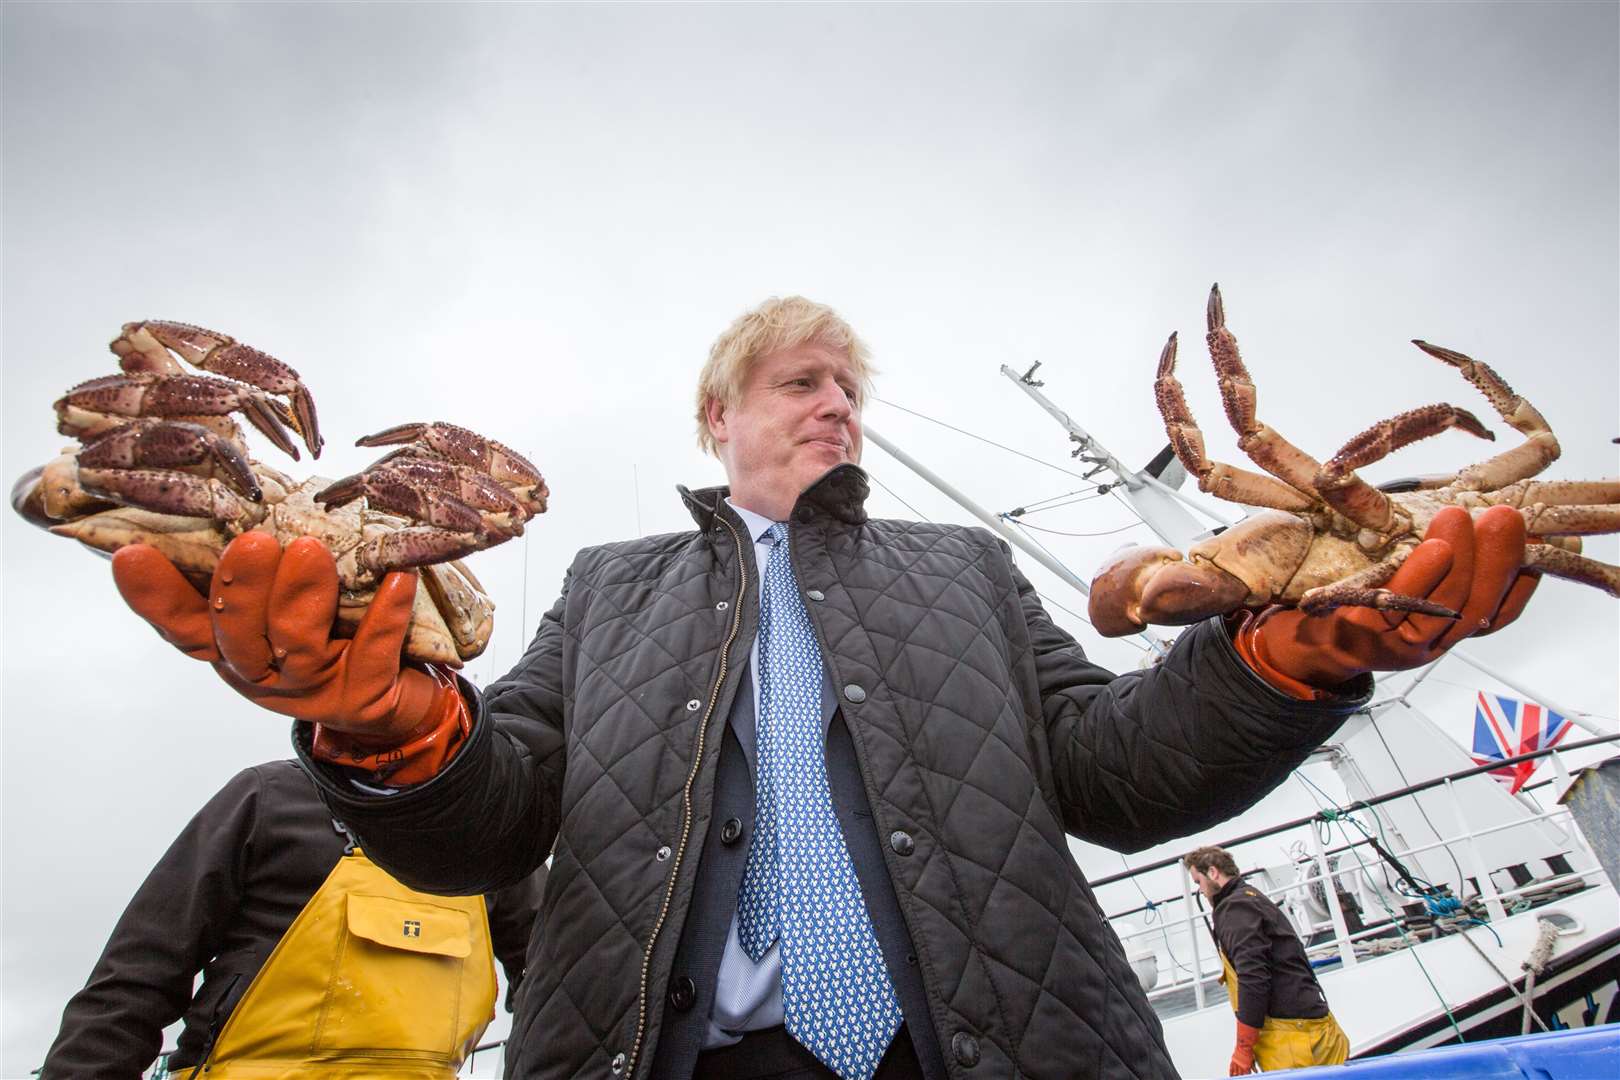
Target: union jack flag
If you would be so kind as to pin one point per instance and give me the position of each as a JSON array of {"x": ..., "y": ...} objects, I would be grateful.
[{"x": 1506, "y": 727}]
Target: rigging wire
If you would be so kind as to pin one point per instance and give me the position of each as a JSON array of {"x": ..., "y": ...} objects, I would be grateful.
[
  {"x": 897, "y": 498},
  {"x": 981, "y": 438},
  {"x": 1455, "y": 865},
  {"x": 1153, "y": 916},
  {"x": 1331, "y": 817},
  {"x": 1060, "y": 532},
  {"x": 1032, "y": 507},
  {"x": 1045, "y": 598},
  {"x": 1054, "y": 503}
]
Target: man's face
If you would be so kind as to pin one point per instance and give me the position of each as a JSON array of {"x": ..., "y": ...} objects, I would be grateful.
[
  {"x": 797, "y": 418},
  {"x": 1206, "y": 884}
]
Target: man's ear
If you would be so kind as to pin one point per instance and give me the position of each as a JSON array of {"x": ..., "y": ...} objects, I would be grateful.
[{"x": 714, "y": 411}]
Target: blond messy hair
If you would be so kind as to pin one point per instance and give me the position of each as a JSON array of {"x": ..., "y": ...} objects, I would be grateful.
[{"x": 781, "y": 322}]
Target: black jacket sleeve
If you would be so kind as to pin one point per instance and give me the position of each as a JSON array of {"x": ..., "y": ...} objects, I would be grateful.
[
  {"x": 489, "y": 819},
  {"x": 512, "y": 912},
  {"x": 143, "y": 982},
  {"x": 1148, "y": 756}
]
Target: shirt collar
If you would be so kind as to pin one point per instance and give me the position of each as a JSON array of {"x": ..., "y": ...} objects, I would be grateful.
[{"x": 758, "y": 524}]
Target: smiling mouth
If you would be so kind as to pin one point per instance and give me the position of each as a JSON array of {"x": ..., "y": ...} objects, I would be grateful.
[{"x": 835, "y": 444}]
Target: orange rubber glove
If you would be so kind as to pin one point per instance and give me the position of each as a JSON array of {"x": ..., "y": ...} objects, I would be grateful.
[
  {"x": 267, "y": 630},
  {"x": 1472, "y": 567},
  {"x": 1243, "y": 1053}
]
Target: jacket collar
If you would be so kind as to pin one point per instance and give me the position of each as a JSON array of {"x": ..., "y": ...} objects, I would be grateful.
[
  {"x": 840, "y": 494},
  {"x": 1227, "y": 890}
]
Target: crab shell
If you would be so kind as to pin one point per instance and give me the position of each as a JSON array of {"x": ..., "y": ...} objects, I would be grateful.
[{"x": 453, "y": 616}]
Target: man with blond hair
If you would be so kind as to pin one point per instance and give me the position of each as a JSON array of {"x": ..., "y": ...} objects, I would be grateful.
[
  {"x": 808, "y": 777},
  {"x": 1283, "y": 1020}
]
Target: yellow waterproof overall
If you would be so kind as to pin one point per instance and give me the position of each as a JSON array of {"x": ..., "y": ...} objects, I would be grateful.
[
  {"x": 1292, "y": 1044},
  {"x": 371, "y": 979}
]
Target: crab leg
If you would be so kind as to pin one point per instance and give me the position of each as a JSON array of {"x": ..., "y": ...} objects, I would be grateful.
[
  {"x": 416, "y": 546},
  {"x": 1362, "y": 590},
  {"x": 1218, "y": 478},
  {"x": 165, "y": 492},
  {"x": 1265, "y": 447},
  {"x": 98, "y": 405},
  {"x": 422, "y": 496},
  {"x": 143, "y": 346},
  {"x": 1573, "y": 567},
  {"x": 159, "y": 444},
  {"x": 1542, "y": 520},
  {"x": 1354, "y": 497},
  {"x": 1550, "y": 492},
  {"x": 1540, "y": 447}
]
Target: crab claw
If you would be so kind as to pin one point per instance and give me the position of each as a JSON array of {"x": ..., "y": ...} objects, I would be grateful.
[
  {"x": 1143, "y": 585},
  {"x": 511, "y": 469},
  {"x": 144, "y": 346}
]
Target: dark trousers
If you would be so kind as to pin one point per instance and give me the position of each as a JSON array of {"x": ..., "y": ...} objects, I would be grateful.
[{"x": 773, "y": 1054}]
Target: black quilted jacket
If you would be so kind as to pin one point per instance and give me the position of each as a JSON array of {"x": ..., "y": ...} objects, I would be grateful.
[{"x": 981, "y": 730}]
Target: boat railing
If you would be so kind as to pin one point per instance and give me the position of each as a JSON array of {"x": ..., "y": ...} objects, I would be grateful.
[{"x": 1331, "y": 937}]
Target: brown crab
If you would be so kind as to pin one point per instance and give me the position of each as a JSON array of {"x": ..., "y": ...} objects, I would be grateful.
[
  {"x": 1327, "y": 537},
  {"x": 162, "y": 462}
]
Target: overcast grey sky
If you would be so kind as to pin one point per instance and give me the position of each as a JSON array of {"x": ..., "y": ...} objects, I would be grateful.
[{"x": 534, "y": 220}]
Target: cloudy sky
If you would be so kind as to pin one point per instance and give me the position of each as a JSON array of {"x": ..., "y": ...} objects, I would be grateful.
[{"x": 534, "y": 220}]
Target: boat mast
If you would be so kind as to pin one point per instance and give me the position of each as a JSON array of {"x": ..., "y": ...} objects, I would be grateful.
[{"x": 1160, "y": 506}]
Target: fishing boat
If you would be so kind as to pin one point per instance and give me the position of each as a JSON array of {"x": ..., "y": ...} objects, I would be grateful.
[{"x": 1439, "y": 906}]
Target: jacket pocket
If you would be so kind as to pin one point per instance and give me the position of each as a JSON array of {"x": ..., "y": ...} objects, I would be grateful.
[{"x": 397, "y": 980}]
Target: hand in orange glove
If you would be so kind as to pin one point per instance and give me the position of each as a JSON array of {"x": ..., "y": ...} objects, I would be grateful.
[
  {"x": 267, "y": 630},
  {"x": 1243, "y": 1053},
  {"x": 1472, "y": 567}
]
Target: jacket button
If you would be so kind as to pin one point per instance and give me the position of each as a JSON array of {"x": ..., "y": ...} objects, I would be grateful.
[
  {"x": 816, "y": 594},
  {"x": 854, "y": 693},
  {"x": 682, "y": 994},
  {"x": 730, "y": 832},
  {"x": 901, "y": 842},
  {"x": 694, "y": 705},
  {"x": 722, "y": 605},
  {"x": 618, "y": 1064},
  {"x": 966, "y": 1049},
  {"x": 662, "y": 853}
]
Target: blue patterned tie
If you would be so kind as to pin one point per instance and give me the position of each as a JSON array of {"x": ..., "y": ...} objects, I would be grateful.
[{"x": 799, "y": 884}]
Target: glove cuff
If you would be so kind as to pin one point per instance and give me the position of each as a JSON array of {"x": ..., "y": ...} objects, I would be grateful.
[
  {"x": 1253, "y": 643},
  {"x": 1247, "y": 1035},
  {"x": 414, "y": 756}
]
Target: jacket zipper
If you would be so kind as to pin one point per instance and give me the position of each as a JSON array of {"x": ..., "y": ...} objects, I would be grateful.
[{"x": 686, "y": 799}]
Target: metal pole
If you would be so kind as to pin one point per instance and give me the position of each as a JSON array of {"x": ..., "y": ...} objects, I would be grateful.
[
  {"x": 1330, "y": 895},
  {"x": 1154, "y": 501},
  {"x": 1579, "y": 719},
  {"x": 961, "y": 499},
  {"x": 989, "y": 519},
  {"x": 1192, "y": 935},
  {"x": 1482, "y": 876}
]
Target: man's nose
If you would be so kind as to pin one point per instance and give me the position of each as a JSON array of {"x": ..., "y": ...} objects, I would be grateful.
[{"x": 834, "y": 403}]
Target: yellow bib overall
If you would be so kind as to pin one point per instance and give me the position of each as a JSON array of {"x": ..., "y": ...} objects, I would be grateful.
[
  {"x": 371, "y": 979},
  {"x": 1292, "y": 1044}
]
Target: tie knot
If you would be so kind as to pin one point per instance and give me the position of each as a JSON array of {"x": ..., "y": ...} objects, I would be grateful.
[{"x": 777, "y": 533}]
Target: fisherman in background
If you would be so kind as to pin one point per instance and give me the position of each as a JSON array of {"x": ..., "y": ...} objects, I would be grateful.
[
  {"x": 1283, "y": 1021},
  {"x": 313, "y": 960}
]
